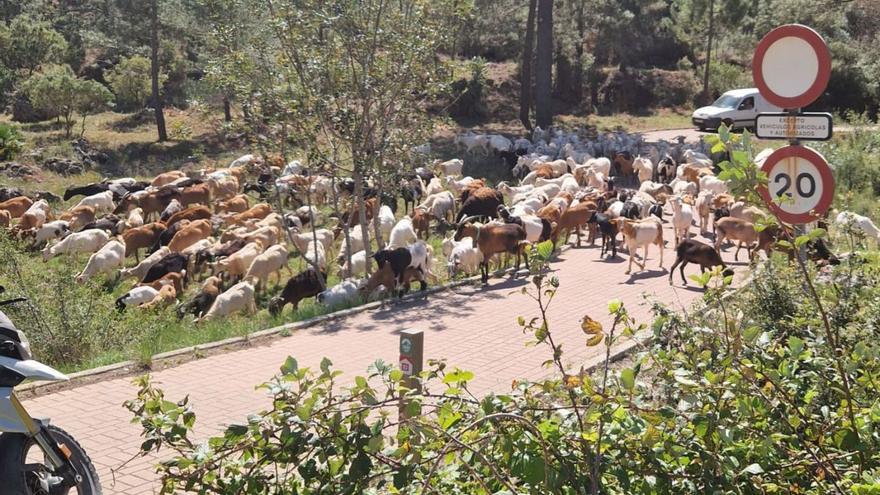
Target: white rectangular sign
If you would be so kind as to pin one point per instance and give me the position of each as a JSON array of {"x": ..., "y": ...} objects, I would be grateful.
[{"x": 806, "y": 126}]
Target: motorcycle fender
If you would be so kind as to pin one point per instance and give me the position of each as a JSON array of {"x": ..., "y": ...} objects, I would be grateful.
[
  {"x": 32, "y": 369},
  {"x": 13, "y": 418}
]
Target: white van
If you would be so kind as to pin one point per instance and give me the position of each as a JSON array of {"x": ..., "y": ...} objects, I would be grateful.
[{"x": 737, "y": 109}]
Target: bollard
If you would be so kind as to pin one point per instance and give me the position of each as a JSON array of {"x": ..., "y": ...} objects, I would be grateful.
[{"x": 412, "y": 343}]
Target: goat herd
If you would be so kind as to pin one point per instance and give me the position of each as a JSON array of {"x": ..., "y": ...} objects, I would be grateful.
[{"x": 222, "y": 227}]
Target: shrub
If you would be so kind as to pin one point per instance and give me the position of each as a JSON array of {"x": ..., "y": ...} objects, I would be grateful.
[
  {"x": 723, "y": 77},
  {"x": 11, "y": 141},
  {"x": 130, "y": 82},
  {"x": 637, "y": 91},
  {"x": 58, "y": 92},
  {"x": 468, "y": 93}
]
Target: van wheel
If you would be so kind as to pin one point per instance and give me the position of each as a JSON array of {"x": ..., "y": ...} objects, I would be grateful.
[{"x": 728, "y": 123}]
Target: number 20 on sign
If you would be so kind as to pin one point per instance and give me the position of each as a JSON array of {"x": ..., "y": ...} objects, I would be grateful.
[{"x": 800, "y": 185}]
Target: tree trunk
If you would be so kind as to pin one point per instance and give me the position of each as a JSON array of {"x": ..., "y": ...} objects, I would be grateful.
[
  {"x": 227, "y": 109},
  {"x": 525, "y": 92},
  {"x": 154, "y": 70},
  {"x": 578, "y": 69},
  {"x": 362, "y": 216},
  {"x": 544, "y": 65},
  {"x": 706, "y": 97}
]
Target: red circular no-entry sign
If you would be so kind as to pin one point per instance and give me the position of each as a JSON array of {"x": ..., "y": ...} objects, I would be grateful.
[
  {"x": 791, "y": 66},
  {"x": 800, "y": 186}
]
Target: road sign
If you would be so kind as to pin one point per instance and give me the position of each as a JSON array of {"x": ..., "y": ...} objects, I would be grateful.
[
  {"x": 800, "y": 185},
  {"x": 791, "y": 66},
  {"x": 805, "y": 126},
  {"x": 406, "y": 366}
]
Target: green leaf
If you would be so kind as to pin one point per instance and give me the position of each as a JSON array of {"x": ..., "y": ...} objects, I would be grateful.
[
  {"x": 795, "y": 345},
  {"x": 325, "y": 365},
  {"x": 817, "y": 233},
  {"x": 801, "y": 240},
  {"x": 360, "y": 382},
  {"x": 723, "y": 133},
  {"x": 545, "y": 249},
  {"x": 719, "y": 148},
  {"x": 290, "y": 366},
  {"x": 614, "y": 306},
  {"x": 628, "y": 379}
]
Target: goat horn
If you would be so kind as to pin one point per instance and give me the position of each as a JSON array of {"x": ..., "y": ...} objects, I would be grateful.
[{"x": 467, "y": 220}]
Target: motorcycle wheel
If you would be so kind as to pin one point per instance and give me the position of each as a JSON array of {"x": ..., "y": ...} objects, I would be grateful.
[{"x": 23, "y": 469}]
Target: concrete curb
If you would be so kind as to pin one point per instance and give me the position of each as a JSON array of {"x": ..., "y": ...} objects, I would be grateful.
[{"x": 191, "y": 353}]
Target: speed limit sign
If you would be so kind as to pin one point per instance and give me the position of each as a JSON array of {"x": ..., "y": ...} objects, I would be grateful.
[{"x": 800, "y": 186}]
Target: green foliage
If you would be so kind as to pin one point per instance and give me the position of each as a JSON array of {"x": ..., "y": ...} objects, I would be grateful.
[
  {"x": 716, "y": 403},
  {"x": 27, "y": 43},
  {"x": 468, "y": 93},
  {"x": 130, "y": 82},
  {"x": 11, "y": 141},
  {"x": 856, "y": 164},
  {"x": 58, "y": 92}
]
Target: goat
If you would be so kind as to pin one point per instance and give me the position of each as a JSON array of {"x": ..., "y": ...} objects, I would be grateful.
[
  {"x": 305, "y": 284},
  {"x": 17, "y": 206},
  {"x": 190, "y": 234},
  {"x": 704, "y": 208},
  {"x": 608, "y": 230},
  {"x": 855, "y": 222},
  {"x": 172, "y": 262},
  {"x": 106, "y": 259},
  {"x": 136, "y": 297},
  {"x": 494, "y": 239},
  {"x": 266, "y": 263},
  {"x": 141, "y": 268},
  {"x": 641, "y": 233},
  {"x": 239, "y": 297},
  {"x": 342, "y": 293},
  {"x": 738, "y": 230},
  {"x": 693, "y": 251},
  {"x": 79, "y": 242},
  {"x": 86, "y": 190},
  {"x": 201, "y": 303},
  {"x": 682, "y": 218},
  {"x": 483, "y": 202},
  {"x": 386, "y": 277},
  {"x": 145, "y": 236}
]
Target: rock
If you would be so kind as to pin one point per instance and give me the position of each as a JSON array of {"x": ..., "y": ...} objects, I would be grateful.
[
  {"x": 63, "y": 166},
  {"x": 23, "y": 111},
  {"x": 15, "y": 170}
]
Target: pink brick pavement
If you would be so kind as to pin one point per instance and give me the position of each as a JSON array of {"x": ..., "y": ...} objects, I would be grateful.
[{"x": 474, "y": 328}]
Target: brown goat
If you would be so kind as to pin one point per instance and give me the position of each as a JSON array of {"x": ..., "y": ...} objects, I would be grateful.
[
  {"x": 17, "y": 206},
  {"x": 421, "y": 221},
  {"x": 385, "y": 277},
  {"x": 153, "y": 202},
  {"x": 371, "y": 210},
  {"x": 494, "y": 239},
  {"x": 197, "y": 194},
  {"x": 79, "y": 217},
  {"x": 176, "y": 279},
  {"x": 145, "y": 236},
  {"x": 236, "y": 204},
  {"x": 738, "y": 230},
  {"x": 5, "y": 218},
  {"x": 257, "y": 212},
  {"x": 574, "y": 218},
  {"x": 189, "y": 235},
  {"x": 166, "y": 296},
  {"x": 192, "y": 213},
  {"x": 167, "y": 178}
]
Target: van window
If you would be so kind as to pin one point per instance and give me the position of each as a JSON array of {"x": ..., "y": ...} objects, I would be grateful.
[
  {"x": 747, "y": 103},
  {"x": 726, "y": 101}
]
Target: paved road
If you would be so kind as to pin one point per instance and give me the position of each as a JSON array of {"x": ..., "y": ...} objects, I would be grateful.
[
  {"x": 691, "y": 135},
  {"x": 472, "y": 327}
]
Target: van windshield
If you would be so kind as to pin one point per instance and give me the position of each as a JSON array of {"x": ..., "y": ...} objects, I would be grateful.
[{"x": 726, "y": 101}]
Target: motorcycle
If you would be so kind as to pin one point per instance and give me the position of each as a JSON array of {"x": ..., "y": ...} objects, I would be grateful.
[{"x": 36, "y": 458}]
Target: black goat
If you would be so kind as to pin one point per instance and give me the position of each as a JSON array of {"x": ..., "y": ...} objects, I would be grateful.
[
  {"x": 608, "y": 229},
  {"x": 302, "y": 285},
  {"x": 692, "y": 251},
  {"x": 174, "y": 262},
  {"x": 481, "y": 205},
  {"x": 630, "y": 210},
  {"x": 399, "y": 259},
  {"x": 86, "y": 190}
]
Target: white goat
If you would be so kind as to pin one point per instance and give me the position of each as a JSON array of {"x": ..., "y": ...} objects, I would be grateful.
[
  {"x": 682, "y": 217},
  {"x": 87, "y": 241},
  {"x": 341, "y": 293},
  {"x": 850, "y": 220},
  {"x": 239, "y": 297},
  {"x": 144, "y": 266},
  {"x": 402, "y": 234},
  {"x": 107, "y": 259}
]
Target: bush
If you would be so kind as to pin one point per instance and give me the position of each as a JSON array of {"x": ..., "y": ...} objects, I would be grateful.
[
  {"x": 723, "y": 77},
  {"x": 467, "y": 94},
  {"x": 130, "y": 82},
  {"x": 58, "y": 92},
  {"x": 637, "y": 91},
  {"x": 856, "y": 164},
  {"x": 11, "y": 142}
]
